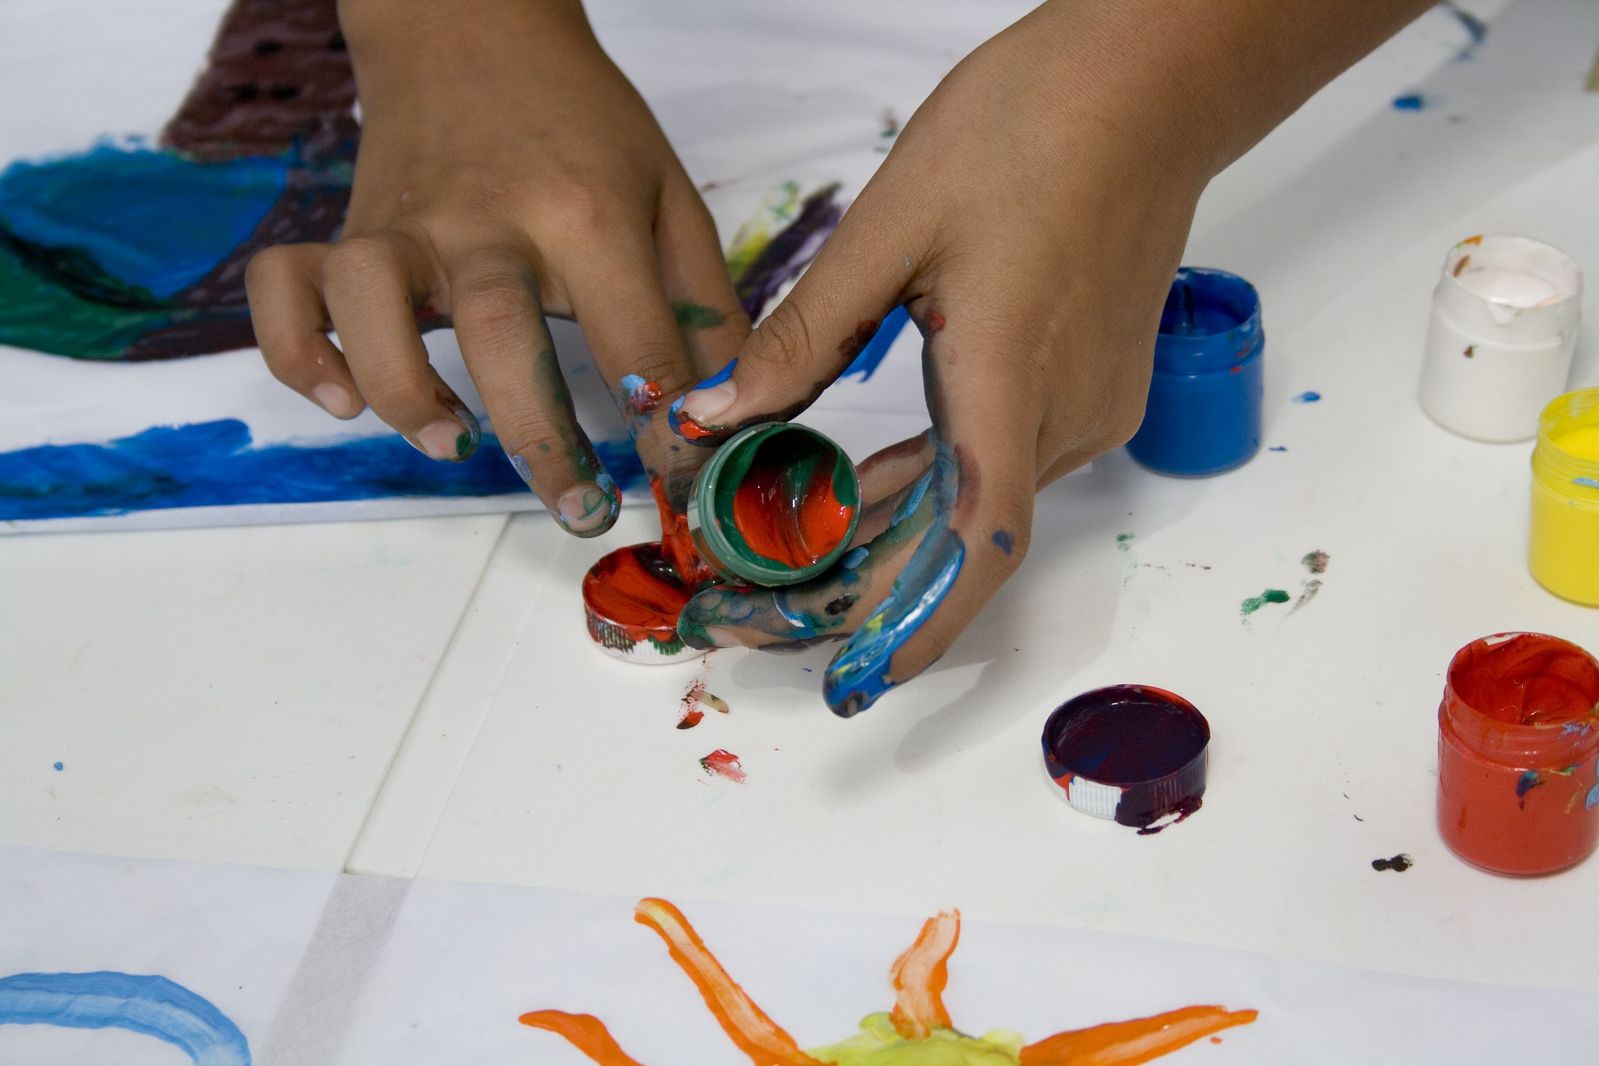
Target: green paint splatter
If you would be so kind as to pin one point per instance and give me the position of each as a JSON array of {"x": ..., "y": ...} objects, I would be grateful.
[
  {"x": 754, "y": 235},
  {"x": 1255, "y": 603},
  {"x": 693, "y": 316},
  {"x": 1124, "y": 541}
]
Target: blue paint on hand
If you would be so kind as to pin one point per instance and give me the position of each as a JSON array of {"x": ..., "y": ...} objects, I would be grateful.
[
  {"x": 149, "y": 1005},
  {"x": 1004, "y": 541},
  {"x": 866, "y": 361},
  {"x": 676, "y": 408},
  {"x": 1409, "y": 102},
  {"x": 1308, "y": 397},
  {"x": 212, "y": 464},
  {"x": 858, "y": 675}
]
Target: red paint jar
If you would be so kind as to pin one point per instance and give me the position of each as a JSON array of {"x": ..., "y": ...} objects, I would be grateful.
[{"x": 1518, "y": 754}]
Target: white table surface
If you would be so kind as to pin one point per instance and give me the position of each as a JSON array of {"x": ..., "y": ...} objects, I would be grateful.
[{"x": 419, "y": 697}]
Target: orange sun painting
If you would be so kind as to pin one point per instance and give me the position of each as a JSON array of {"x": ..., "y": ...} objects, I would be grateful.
[{"x": 917, "y": 1032}]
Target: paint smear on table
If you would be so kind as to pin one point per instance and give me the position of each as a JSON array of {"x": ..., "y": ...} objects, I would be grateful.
[
  {"x": 1476, "y": 29},
  {"x": 1410, "y": 102},
  {"x": 1308, "y": 397},
  {"x": 695, "y": 700},
  {"x": 916, "y": 1031},
  {"x": 1399, "y": 863},
  {"x": 723, "y": 763},
  {"x": 1254, "y": 603},
  {"x": 144, "y": 1004}
]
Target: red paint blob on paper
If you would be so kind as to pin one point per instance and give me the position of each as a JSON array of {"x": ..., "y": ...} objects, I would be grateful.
[{"x": 724, "y": 764}]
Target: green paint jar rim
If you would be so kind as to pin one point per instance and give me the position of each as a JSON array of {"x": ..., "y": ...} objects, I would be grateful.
[{"x": 710, "y": 509}]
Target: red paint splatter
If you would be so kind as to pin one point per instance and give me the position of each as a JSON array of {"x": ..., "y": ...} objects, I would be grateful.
[
  {"x": 725, "y": 764},
  {"x": 644, "y": 397},
  {"x": 785, "y": 522},
  {"x": 691, "y": 430},
  {"x": 691, "y": 718}
]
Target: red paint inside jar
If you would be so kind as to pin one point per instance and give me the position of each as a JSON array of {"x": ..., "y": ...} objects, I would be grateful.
[
  {"x": 1518, "y": 754},
  {"x": 786, "y": 522}
]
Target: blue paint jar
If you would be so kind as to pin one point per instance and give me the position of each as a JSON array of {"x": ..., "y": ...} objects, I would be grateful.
[{"x": 1203, "y": 415}]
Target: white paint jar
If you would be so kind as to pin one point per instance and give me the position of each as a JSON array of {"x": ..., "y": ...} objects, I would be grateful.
[{"x": 1499, "y": 344}]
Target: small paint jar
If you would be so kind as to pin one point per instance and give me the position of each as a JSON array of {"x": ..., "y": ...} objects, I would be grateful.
[
  {"x": 777, "y": 503},
  {"x": 1504, "y": 323},
  {"x": 1131, "y": 753},
  {"x": 1203, "y": 414},
  {"x": 1518, "y": 754},
  {"x": 631, "y": 600},
  {"x": 1563, "y": 541}
]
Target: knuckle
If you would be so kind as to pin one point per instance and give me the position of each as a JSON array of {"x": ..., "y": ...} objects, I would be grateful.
[
  {"x": 531, "y": 436},
  {"x": 586, "y": 214},
  {"x": 356, "y": 259},
  {"x": 1124, "y": 413},
  {"x": 268, "y": 266},
  {"x": 494, "y": 302},
  {"x": 784, "y": 340}
]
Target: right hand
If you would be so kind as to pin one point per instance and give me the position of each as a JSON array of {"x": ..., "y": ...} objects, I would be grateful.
[{"x": 507, "y": 170}]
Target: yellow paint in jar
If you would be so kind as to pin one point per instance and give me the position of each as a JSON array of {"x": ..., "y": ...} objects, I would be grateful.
[{"x": 1563, "y": 549}]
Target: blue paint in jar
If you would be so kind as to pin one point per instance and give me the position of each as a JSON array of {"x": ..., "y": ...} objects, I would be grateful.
[{"x": 1203, "y": 415}]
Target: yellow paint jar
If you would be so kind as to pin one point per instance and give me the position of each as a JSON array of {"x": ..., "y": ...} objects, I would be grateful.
[{"x": 1563, "y": 549}]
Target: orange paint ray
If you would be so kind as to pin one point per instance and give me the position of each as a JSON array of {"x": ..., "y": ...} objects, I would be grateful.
[
  {"x": 762, "y": 1039},
  {"x": 1133, "y": 1042},
  {"x": 584, "y": 1032},
  {"x": 921, "y": 975}
]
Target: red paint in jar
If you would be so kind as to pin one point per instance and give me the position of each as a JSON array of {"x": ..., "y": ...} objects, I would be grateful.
[
  {"x": 1518, "y": 754},
  {"x": 788, "y": 522}
]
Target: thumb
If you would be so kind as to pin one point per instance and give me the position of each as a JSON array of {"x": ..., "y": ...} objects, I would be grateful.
[{"x": 807, "y": 341}]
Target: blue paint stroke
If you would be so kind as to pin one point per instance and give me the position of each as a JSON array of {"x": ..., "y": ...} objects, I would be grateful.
[
  {"x": 1308, "y": 397},
  {"x": 1529, "y": 780},
  {"x": 1586, "y": 482},
  {"x": 1476, "y": 28},
  {"x": 866, "y": 361},
  {"x": 677, "y": 405},
  {"x": 1409, "y": 102},
  {"x": 1004, "y": 541},
  {"x": 211, "y": 464},
  {"x": 1277, "y": 448},
  {"x": 149, "y": 1005},
  {"x": 858, "y": 675},
  {"x": 60, "y": 766},
  {"x": 146, "y": 217}
]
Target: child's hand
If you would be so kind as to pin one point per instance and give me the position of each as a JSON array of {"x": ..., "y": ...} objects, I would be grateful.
[
  {"x": 507, "y": 170},
  {"x": 1031, "y": 216}
]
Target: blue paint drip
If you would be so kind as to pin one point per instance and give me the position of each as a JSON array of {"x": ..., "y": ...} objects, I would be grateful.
[
  {"x": 677, "y": 405},
  {"x": 60, "y": 766},
  {"x": 1528, "y": 781},
  {"x": 1409, "y": 102},
  {"x": 1277, "y": 448},
  {"x": 212, "y": 464},
  {"x": 146, "y": 217},
  {"x": 858, "y": 675},
  {"x": 149, "y": 1005},
  {"x": 1004, "y": 541},
  {"x": 1586, "y": 482},
  {"x": 866, "y": 361},
  {"x": 1308, "y": 397}
]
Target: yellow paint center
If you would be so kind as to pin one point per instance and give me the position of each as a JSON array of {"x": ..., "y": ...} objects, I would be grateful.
[{"x": 1582, "y": 442}]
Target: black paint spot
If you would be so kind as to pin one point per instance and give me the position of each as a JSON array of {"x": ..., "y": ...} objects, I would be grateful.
[
  {"x": 267, "y": 47},
  {"x": 842, "y": 604},
  {"x": 1398, "y": 864},
  {"x": 245, "y": 92},
  {"x": 283, "y": 92}
]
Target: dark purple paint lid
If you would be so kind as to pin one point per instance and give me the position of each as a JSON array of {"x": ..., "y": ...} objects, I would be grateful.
[{"x": 1132, "y": 753}]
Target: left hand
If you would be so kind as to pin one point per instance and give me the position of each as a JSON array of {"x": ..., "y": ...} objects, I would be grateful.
[{"x": 1031, "y": 218}]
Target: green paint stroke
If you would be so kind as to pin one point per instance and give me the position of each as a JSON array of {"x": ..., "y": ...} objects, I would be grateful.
[
  {"x": 693, "y": 316},
  {"x": 878, "y": 1044},
  {"x": 1255, "y": 603},
  {"x": 1124, "y": 541}
]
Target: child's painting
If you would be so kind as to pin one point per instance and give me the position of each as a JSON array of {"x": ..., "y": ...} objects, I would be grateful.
[{"x": 131, "y": 393}]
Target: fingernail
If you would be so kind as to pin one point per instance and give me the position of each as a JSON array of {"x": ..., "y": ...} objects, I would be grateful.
[
  {"x": 587, "y": 510},
  {"x": 448, "y": 440},
  {"x": 334, "y": 399},
  {"x": 693, "y": 416}
]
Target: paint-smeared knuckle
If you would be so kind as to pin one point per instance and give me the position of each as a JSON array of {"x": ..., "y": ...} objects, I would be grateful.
[{"x": 531, "y": 436}]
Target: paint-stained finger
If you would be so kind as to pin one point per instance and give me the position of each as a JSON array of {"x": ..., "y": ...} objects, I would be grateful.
[
  {"x": 694, "y": 275},
  {"x": 815, "y": 333},
  {"x": 630, "y": 328},
  {"x": 507, "y": 348},
  {"x": 290, "y": 322},
  {"x": 370, "y": 284}
]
